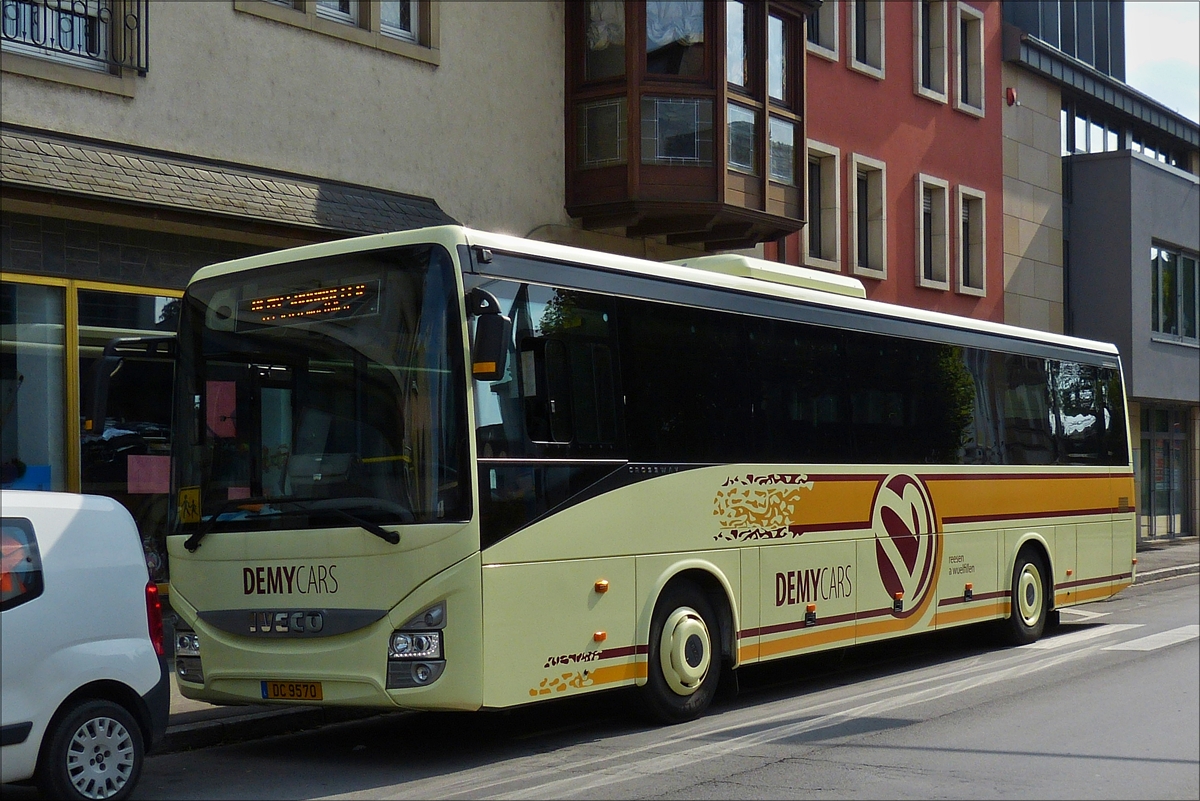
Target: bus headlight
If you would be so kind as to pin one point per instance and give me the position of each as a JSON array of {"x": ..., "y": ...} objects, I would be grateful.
[{"x": 415, "y": 645}]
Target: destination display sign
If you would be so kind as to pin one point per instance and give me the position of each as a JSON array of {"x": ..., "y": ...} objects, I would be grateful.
[{"x": 356, "y": 299}]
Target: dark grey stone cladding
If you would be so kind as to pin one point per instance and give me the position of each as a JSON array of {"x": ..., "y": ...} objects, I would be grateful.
[{"x": 89, "y": 251}]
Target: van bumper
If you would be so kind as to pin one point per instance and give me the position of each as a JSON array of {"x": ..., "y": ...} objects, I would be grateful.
[{"x": 158, "y": 704}]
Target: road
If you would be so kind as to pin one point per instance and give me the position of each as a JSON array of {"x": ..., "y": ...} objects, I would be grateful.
[{"x": 1106, "y": 705}]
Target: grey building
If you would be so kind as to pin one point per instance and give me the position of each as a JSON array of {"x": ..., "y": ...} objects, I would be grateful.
[{"x": 1130, "y": 232}]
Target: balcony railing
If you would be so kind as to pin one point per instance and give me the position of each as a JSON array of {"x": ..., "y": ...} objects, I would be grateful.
[{"x": 93, "y": 34}]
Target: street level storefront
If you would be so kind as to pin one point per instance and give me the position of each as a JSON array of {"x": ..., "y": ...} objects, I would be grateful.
[{"x": 97, "y": 243}]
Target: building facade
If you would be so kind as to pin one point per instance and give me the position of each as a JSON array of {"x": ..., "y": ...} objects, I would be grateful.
[
  {"x": 140, "y": 141},
  {"x": 1102, "y": 231},
  {"x": 904, "y": 159}
]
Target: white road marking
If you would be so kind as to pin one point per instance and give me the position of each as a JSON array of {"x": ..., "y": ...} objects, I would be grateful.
[
  {"x": 1086, "y": 614},
  {"x": 1075, "y": 637},
  {"x": 1161, "y": 640}
]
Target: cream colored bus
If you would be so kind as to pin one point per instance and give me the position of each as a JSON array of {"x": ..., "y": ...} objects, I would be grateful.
[{"x": 446, "y": 469}]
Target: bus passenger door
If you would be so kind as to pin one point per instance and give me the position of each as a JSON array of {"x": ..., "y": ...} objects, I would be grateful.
[{"x": 556, "y": 628}]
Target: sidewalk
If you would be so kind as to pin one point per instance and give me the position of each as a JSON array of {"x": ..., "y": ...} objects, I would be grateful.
[{"x": 195, "y": 724}]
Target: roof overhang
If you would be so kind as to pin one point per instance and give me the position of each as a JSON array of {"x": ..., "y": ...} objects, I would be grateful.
[{"x": 1048, "y": 61}]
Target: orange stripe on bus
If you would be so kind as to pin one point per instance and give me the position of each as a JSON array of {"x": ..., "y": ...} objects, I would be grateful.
[
  {"x": 960, "y": 615},
  {"x": 809, "y": 639},
  {"x": 613, "y": 673},
  {"x": 957, "y": 498}
]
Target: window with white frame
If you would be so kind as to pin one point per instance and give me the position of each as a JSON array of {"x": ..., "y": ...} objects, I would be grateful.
[
  {"x": 933, "y": 224},
  {"x": 823, "y": 31},
  {"x": 1174, "y": 293},
  {"x": 972, "y": 236},
  {"x": 864, "y": 36},
  {"x": 929, "y": 50},
  {"x": 969, "y": 60},
  {"x": 405, "y": 27},
  {"x": 868, "y": 216},
  {"x": 77, "y": 33},
  {"x": 824, "y": 207}
]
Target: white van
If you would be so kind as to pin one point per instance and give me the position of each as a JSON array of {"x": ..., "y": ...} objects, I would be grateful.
[{"x": 85, "y": 689}]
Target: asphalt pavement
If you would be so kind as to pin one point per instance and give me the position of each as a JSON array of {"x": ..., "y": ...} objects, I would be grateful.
[{"x": 195, "y": 724}]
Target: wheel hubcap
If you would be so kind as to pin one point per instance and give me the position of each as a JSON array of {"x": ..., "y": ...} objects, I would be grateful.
[
  {"x": 685, "y": 651},
  {"x": 100, "y": 758},
  {"x": 1029, "y": 595}
]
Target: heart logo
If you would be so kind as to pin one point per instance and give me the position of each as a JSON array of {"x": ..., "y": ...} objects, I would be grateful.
[{"x": 905, "y": 526}]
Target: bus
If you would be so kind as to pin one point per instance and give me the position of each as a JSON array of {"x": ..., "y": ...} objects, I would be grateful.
[{"x": 450, "y": 469}]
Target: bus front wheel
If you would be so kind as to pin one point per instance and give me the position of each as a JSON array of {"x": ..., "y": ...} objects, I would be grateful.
[
  {"x": 683, "y": 664},
  {"x": 1030, "y": 604}
]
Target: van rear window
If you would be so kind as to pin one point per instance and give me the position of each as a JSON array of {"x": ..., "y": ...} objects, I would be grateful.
[{"x": 20, "y": 563}]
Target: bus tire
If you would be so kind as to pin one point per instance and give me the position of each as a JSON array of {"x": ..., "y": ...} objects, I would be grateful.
[
  {"x": 1030, "y": 604},
  {"x": 683, "y": 658}
]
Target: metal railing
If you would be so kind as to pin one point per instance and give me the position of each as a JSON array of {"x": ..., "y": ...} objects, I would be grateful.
[{"x": 95, "y": 34}]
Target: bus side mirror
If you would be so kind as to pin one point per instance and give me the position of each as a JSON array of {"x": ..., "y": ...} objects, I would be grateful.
[{"x": 493, "y": 333}]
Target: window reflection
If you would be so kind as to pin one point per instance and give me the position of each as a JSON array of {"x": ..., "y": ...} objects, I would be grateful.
[
  {"x": 735, "y": 48},
  {"x": 32, "y": 387},
  {"x": 776, "y": 58},
  {"x": 675, "y": 38}
]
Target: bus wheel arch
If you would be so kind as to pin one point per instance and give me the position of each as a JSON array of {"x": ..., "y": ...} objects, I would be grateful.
[
  {"x": 1031, "y": 594},
  {"x": 690, "y": 644}
]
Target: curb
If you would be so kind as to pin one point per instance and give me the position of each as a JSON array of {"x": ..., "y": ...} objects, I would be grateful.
[
  {"x": 1166, "y": 573},
  {"x": 255, "y": 725}
]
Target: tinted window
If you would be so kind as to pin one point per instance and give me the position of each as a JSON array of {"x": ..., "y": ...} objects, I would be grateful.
[{"x": 21, "y": 570}]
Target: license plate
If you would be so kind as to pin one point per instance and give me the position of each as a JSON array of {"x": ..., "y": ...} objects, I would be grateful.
[{"x": 291, "y": 690}]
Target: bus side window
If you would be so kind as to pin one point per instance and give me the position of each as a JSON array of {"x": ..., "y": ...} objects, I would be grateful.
[{"x": 546, "y": 387}]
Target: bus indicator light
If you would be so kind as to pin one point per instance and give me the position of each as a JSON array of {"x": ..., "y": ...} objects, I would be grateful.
[
  {"x": 600, "y": 636},
  {"x": 898, "y": 603},
  {"x": 602, "y": 586},
  {"x": 969, "y": 591},
  {"x": 810, "y": 615}
]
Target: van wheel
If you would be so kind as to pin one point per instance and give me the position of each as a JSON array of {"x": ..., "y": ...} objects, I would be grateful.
[
  {"x": 683, "y": 664},
  {"x": 1030, "y": 606},
  {"x": 94, "y": 751}
]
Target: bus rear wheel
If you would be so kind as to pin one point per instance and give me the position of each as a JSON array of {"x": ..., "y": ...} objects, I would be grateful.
[
  {"x": 1030, "y": 604},
  {"x": 683, "y": 664}
]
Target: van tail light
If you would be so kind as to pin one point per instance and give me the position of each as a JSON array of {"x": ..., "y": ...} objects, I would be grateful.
[{"x": 154, "y": 616}]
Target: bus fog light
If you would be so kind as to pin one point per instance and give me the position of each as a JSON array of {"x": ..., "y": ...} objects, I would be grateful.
[
  {"x": 422, "y": 673},
  {"x": 415, "y": 645}
]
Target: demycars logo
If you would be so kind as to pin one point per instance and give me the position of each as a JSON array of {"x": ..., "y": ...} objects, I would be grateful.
[{"x": 296, "y": 579}]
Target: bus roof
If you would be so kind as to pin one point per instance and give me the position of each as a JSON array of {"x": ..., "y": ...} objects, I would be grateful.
[{"x": 731, "y": 272}]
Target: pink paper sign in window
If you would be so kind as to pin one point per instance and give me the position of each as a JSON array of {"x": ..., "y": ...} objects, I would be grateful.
[
  {"x": 148, "y": 475},
  {"x": 221, "y": 406}
]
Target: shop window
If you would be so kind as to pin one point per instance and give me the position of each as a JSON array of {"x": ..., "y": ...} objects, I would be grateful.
[
  {"x": 929, "y": 35},
  {"x": 404, "y": 27},
  {"x": 1174, "y": 294},
  {"x": 868, "y": 217},
  {"x": 823, "y": 31},
  {"x": 933, "y": 242},
  {"x": 32, "y": 386},
  {"x": 824, "y": 207},
  {"x": 972, "y": 238},
  {"x": 969, "y": 61},
  {"x": 126, "y": 367},
  {"x": 864, "y": 29}
]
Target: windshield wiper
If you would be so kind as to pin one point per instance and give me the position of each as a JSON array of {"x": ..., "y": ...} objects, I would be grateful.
[{"x": 335, "y": 505}]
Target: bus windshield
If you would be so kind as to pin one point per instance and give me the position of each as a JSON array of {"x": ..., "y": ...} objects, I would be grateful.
[{"x": 326, "y": 392}]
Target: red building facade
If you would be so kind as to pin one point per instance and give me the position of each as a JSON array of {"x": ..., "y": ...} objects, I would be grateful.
[{"x": 905, "y": 173}]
